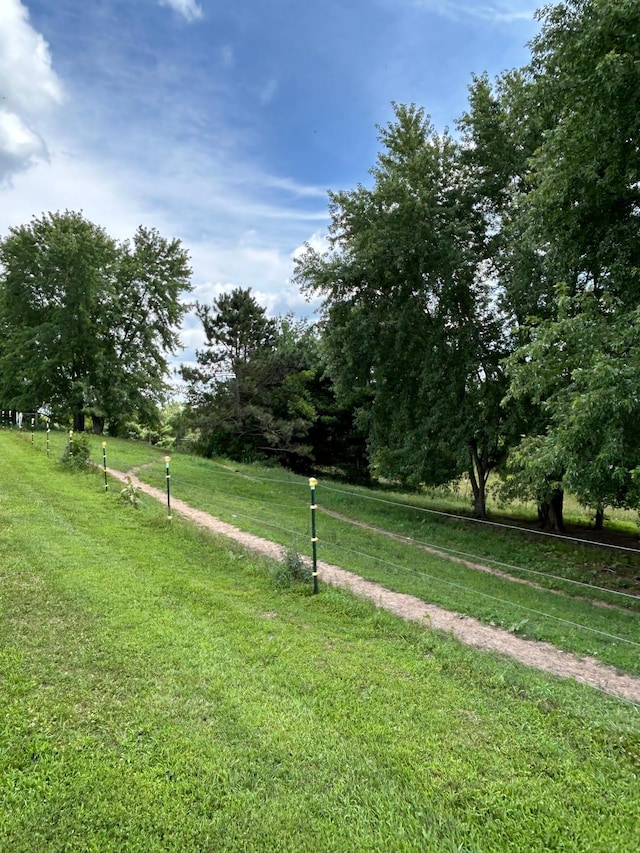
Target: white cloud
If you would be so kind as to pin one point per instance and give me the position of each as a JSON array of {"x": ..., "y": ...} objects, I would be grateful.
[
  {"x": 29, "y": 88},
  {"x": 189, "y": 9},
  {"x": 318, "y": 242},
  {"x": 19, "y": 145}
]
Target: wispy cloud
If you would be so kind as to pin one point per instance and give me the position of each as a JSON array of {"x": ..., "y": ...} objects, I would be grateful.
[
  {"x": 495, "y": 11},
  {"x": 189, "y": 9},
  {"x": 29, "y": 88}
]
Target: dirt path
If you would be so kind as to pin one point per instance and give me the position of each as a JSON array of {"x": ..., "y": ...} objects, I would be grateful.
[{"x": 464, "y": 628}]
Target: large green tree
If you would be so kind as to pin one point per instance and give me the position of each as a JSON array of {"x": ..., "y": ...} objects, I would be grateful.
[
  {"x": 87, "y": 323},
  {"x": 411, "y": 327},
  {"x": 580, "y": 219}
]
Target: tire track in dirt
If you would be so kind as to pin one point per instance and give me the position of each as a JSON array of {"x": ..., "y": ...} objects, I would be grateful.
[{"x": 465, "y": 629}]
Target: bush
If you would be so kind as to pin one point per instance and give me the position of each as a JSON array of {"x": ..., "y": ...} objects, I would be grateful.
[{"x": 77, "y": 452}]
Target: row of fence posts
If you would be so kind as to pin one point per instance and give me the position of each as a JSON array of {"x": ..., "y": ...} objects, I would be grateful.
[{"x": 312, "y": 485}]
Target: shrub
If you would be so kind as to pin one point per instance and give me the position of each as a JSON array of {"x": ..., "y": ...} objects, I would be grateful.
[
  {"x": 291, "y": 571},
  {"x": 77, "y": 452}
]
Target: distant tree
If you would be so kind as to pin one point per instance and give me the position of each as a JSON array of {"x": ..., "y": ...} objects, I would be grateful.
[
  {"x": 86, "y": 323},
  {"x": 141, "y": 328},
  {"x": 249, "y": 393}
]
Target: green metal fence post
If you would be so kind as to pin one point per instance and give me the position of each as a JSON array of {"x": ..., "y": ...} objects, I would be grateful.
[
  {"x": 167, "y": 459},
  {"x": 104, "y": 465},
  {"x": 314, "y": 539}
]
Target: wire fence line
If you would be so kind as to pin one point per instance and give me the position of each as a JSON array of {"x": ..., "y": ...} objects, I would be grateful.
[
  {"x": 503, "y": 601},
  {"x": 452, "y": 551},
  {"x": 442, "y": 513},
  {"x": 485, "y": 521},
  {"x": 233, "y": 513},
  {"x": 427, "y": 576},
  {"x": 484, "y": 559}
]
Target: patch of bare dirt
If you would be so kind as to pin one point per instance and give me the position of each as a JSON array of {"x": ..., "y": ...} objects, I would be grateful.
[{"x": 467, "y": 630}]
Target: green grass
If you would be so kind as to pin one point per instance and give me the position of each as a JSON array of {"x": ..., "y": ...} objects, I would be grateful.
[
  {"x": 159, "y": 693},
  {"x": 275, "y": 504}
]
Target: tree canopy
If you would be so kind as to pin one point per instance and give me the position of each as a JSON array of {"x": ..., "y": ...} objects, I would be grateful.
[
  {"x": 87, "y": 323},
  {"x": 409, "y": 322}
]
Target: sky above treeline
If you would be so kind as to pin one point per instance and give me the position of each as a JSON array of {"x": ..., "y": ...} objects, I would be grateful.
[{"x": 225, "y": 123}]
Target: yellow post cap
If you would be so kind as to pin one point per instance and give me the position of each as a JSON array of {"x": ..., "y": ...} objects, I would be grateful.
[
  {"x": 104, "y": 443},
  {"x": 167, "y": 459},
  {"x": 313, "y": 482}
]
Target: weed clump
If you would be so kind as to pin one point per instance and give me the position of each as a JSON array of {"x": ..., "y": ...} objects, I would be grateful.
[
  {"x": 130, "y": 494},
  {"x": 291, "y": 571}
]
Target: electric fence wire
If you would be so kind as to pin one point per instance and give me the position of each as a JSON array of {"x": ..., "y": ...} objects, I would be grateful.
[
  {"x": 481, "y": 521},
  {"x": 483, "y": 594},
  {"x": 454, "y": 552},
  {"x": 466, "y": 518},
  {"x": 459, "y": 586},
  {"x": 262, "y": 523},
  {"x": 418, "y": 542}
]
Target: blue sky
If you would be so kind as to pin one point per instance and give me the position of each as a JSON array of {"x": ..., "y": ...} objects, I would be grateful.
[{"x": 225, "y": 123}]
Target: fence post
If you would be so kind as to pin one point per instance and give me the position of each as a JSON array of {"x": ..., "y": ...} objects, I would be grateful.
[
  {"x": 70, "y": 444},
  {"x": 167, "y": 459},
  {"x": 33, "y": 424},
  {"x": 104, "y": 465},
  {"x": 48, "y": 431},
  {"x": 314, "y": 539}
]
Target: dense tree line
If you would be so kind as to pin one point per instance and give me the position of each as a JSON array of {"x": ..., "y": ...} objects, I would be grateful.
[
  {"x": 481, "y": 299},
  {"x": 482, "y": 296}
]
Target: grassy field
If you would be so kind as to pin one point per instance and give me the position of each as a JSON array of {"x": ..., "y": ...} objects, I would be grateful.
[
  {"x": 275, "y": 504},
  {"x": 159, "y": 692}
]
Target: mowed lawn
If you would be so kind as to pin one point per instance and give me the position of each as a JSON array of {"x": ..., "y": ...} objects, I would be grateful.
[{"x": 159, "y": 692}]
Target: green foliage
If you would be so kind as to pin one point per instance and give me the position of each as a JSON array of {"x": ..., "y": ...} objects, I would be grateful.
[
  {"x": 88, "y": 323},
  {"x": 77, "y": 452},
  {"x": 130, "y": 494},
  {"x": 413, "y": 336},
  {"x": 576, "y": 212},
  {"x": 250, "y": 396},
  {"x": 291, "y": 570}
]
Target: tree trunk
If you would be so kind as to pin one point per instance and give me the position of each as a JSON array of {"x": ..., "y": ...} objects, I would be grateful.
[
  {"x": 543, "y": 513},
  {"x": 479, "y": 471},
  {"x": 97, "y": 424},
  {"x": 599, "y": 524},
  {"x": 78, "y": 422},
  {"x": 556, "y": 521}
]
